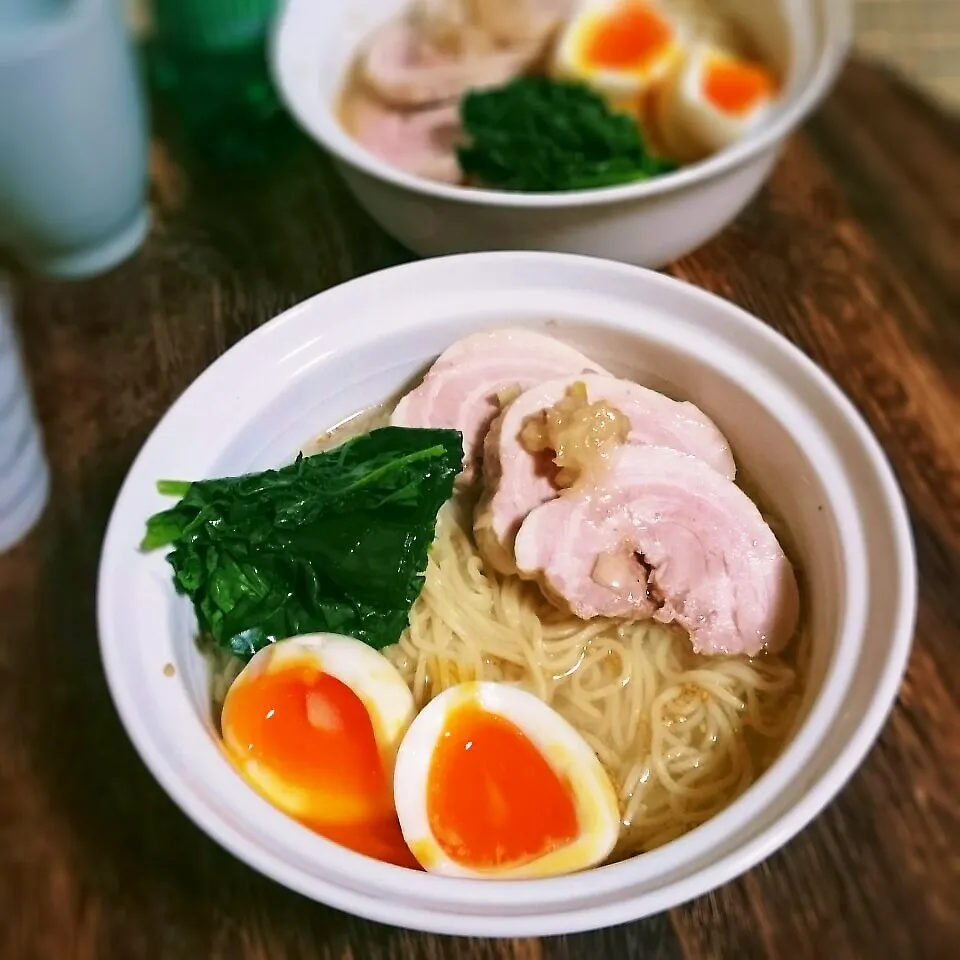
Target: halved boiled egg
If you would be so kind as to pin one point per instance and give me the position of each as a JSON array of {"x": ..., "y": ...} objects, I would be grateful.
[
  {"x": 711, "y": 102},
  {"x": 621, "y": 48},
  {"x": 492, "y": 783},
  {"x": 314, "y": 723}
]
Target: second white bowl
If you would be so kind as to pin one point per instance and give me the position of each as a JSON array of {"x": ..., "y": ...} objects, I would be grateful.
[{"x": 650, "y": 223}]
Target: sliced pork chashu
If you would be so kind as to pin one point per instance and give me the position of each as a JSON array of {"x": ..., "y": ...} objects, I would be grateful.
[
  {"x": 464, "y": 388},
  {"x": 518, "y": 479},
  {"x": 419, "y": 142},
  {"x": 406, "y": 70},
  {"x": 667, "y": 537}
]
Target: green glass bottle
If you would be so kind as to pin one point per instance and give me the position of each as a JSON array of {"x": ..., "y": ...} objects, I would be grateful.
[{"x": 209, "y": 71}]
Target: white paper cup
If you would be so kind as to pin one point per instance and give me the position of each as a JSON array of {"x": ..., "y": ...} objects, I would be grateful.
[{"x": 24, "y": 476}]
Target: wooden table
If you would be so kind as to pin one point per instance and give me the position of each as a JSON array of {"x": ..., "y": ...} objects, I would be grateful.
[{"x": 852, "y": 252}]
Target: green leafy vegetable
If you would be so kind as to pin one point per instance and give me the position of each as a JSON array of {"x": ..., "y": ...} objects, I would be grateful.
[
  {"x": 336, "y": 542},
  {"x": 541, "y": 135}
]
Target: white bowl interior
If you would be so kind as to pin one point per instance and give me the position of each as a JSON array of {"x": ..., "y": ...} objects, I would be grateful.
[
  {"x": 792, "y": 432},
  {"x": 315, "y": 44}
]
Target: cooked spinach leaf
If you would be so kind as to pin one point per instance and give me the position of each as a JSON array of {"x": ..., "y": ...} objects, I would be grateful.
[
  {"x": 335, "y": 542},
  {"x": 536, "y": 134}
]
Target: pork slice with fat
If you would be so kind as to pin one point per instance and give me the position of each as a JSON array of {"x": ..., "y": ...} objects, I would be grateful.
[
  {"x": 516, "y": 481},
  {"x": 464, "y": 387},
  {"x": 419, "y": 142},
  {"x": 668, "y": 537},
  {"x": 405, "y": 70}
]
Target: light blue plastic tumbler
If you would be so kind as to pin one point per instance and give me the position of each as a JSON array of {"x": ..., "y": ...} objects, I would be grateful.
[{"x": 73, "y": 136}]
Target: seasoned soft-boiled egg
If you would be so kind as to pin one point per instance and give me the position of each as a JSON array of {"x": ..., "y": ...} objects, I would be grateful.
[
  {"x": 314, "y": 724},
  {"x": 492, "y": 783},
  {"x": 711, "y": 102},
  {"x": 621, "y": 48}
]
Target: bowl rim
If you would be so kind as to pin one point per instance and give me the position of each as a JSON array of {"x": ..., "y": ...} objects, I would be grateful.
[
  {"x": 371, "y": 899},
  {"x": 330, "y": 135}
]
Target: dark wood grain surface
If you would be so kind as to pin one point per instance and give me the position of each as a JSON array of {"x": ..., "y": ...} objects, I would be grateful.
[{"x": 853, "y": 252}]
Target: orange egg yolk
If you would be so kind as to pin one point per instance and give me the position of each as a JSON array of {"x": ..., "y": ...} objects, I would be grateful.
[
  {"x": 313, "y": 734},
  {"x": 380, "y": 839},
  {"x": 736, "y": 87},
  {"x": 492, "y": 798},
  {"x": 629, "y": 38}
]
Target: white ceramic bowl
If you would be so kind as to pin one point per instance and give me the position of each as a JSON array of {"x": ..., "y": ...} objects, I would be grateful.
[
  {"x": 790, "y": 427},
  {"x": 649, "y": 224}
]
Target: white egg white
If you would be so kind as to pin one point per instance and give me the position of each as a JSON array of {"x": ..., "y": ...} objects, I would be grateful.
[
  {"x": 559, "y": 743},
  {"x": 623, "y": 89},
  {"x": 376, "y": 682},
  {"x": 689, "y": 126}
]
